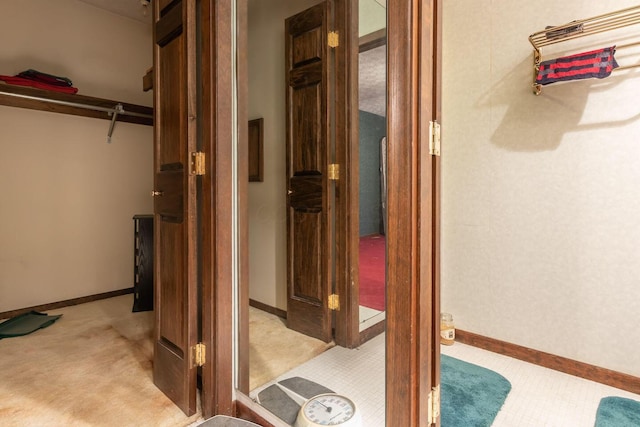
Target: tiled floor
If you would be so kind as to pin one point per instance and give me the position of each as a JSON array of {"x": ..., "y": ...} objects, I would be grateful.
[
  {"x": 369, "y": 317},
  {"x": 357, "y": 374},
  {"x": 539, "y": 397}
]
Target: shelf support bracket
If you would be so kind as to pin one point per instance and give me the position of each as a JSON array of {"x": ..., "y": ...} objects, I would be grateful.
[
  {"x": 118, "y": 109},
  {"x": 537, "y": 88}
]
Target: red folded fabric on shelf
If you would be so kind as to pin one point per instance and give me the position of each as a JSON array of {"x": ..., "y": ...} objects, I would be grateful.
[
  {"x": 39, "y": 85},
  {"x": 594, "y": 64}
]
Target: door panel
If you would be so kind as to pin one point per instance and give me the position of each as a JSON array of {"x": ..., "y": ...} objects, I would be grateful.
[
  {"x": 307, "y": 155},
  {"x": 307, "y": 47},
  {"x": 170, "y": 206},
  {"x": 307, "y": 270},
  {"x": 306, "y": 193},
  {"x": 174, "y": 207},
  {"x": 308, "y": 227}
]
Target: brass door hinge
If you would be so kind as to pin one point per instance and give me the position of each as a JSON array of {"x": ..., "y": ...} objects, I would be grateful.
[
  {"x": 198, "y": 354},
  {"x": 197, "y": 163},
  {"x": 433, "y": 405},
  {"x": 334, "y": 171},
  {"x": 434, "y": 138},
  {"x": 334, "y": 302},
  {"x": 333, "y": 39}
]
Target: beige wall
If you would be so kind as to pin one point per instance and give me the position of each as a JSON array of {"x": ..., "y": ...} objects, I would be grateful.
[
  {"x": 372, "y": 16},
  {"x": 540, "y": 206},
  {"x": 67, "y": 197}
]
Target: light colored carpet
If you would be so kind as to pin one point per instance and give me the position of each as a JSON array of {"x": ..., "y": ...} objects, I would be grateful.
[
  {"x": 91, "y": 368},
  {"x": 275, "y": 349}
]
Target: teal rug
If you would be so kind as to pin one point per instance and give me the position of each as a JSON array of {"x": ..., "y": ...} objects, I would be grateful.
[
  {"x": 471, "y": 395},
  {"x": 26, "y": 324},
  {"x": 618, "y": 412}
]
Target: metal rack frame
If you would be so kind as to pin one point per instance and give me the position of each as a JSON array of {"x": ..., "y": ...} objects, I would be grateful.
[{"x": 582, "y": 28}]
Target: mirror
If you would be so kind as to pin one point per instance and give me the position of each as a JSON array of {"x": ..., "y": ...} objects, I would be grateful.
[
  {"x": 372, "y": 174},
  {"x": 277, "y": 351}
]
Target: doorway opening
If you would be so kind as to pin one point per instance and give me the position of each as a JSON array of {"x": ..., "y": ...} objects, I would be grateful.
[
  {"x": 267, "y": 198},
  {"x": 372, "y": 125}
]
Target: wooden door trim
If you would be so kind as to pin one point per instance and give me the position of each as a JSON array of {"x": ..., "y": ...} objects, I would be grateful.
[
  {"x": 436, "y": 97},
  {"x": 242, "y": 8},
  {"x": 411, "y": 279},
  {"x": 373, "y": 40},
  {"x": 217, "y": 238},
  {"x": 347, "y": 333}
]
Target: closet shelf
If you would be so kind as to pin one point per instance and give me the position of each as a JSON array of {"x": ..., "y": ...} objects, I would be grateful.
[
  {"x": 583, "y": 28},
  {"x": 79, "y": 105}
]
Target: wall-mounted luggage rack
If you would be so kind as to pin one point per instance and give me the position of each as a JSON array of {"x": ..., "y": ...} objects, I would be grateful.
[
  {"x": 79, "y": 105},
  {"x": 582, "y": 28}
]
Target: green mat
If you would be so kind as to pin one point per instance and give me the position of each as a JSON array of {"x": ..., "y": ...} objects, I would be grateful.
[
  {"x": 471, "y": 395},
  {"x": 618, "y": 412},
  {"x": 25, "y": 324}
]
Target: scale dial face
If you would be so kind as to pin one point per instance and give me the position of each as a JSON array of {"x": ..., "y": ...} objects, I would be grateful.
[{"x": 328, "y": 410}]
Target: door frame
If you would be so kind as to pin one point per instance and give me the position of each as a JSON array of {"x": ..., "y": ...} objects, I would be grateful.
[
  {"x": 347, "y": 318},
  {"x": 413, "y": 177},
  {"x": 217, "y": 231},
  {"x": 413, "y": 275}
]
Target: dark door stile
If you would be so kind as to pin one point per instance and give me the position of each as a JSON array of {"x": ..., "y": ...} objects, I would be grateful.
[{"x": 175, "y": 246}]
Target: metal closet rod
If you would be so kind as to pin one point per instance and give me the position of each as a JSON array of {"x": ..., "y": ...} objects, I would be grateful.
[{"x": 117, "y": 109}]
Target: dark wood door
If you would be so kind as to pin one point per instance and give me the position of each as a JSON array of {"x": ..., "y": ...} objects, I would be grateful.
[
  {"x": 175, "y": 204},
  {"x": 308, "y": 157}
]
